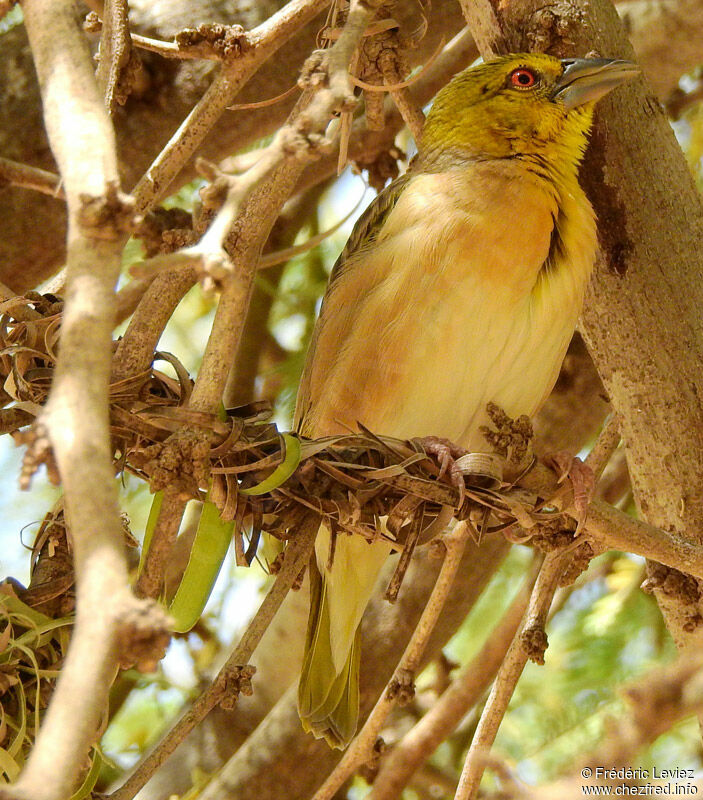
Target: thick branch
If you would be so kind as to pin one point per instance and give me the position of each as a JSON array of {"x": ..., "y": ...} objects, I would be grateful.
[
  {"x": 76, "y": 415},
  {"x": 642, "y": 315},
  {"x": 152, "y": 115}
]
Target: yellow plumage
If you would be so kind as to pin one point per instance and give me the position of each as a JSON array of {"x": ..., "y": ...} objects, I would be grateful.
[{"x": 460, "y": 286}]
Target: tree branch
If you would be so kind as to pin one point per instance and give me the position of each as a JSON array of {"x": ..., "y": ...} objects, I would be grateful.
[
  {"x": 280, "y": 164},
  {"x": 509, "y": 674},
  {"x": 115, "y": 50},
  {"x": 275, "y": 760},
  {"x": 262, "y": 44},
  {"x": 400, "y": 686},
  {"x": 151, "y": 118},
  {"x": 453, "y": 704},
  {"x": 135, "y": 350},
  {"x": 634, "y": 172},
  {"x": 297, "y": 555},
  {"x": 75, "y": 418},
  {"x": 31, "y": 178}
]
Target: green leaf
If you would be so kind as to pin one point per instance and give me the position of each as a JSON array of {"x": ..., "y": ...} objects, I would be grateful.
[
  {"x": 91, "y": 779},
  {"x": 209, "y": 549},
  {"x": 150, "y": 525},
  {"x": 8, "y": 765},
  {"x": 283, "y": 471}
]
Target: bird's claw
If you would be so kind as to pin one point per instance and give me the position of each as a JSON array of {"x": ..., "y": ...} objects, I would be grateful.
[
  {"x": 583, "y": 482},
  {"x": 446, "y": 454}
]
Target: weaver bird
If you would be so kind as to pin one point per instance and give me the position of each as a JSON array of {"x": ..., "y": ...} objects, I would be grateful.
[{"x": 460, "y": 285}]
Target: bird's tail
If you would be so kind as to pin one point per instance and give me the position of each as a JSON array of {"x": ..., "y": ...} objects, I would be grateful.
[{"x": 328, "y": 693}]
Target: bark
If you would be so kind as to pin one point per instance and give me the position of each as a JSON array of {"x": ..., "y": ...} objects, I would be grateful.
[{"x": 74, "y": 424}]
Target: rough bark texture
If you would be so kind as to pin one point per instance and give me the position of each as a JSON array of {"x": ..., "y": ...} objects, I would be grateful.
[
  {"x": 651, "y": 221},
  {"x": 642, "y": 319}
]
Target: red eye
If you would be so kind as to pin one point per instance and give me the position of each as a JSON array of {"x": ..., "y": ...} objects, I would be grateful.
[{"x": 522, "y": 78}]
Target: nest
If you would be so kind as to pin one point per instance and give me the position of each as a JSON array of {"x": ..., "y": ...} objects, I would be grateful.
[{"x": 350, "y": 481}]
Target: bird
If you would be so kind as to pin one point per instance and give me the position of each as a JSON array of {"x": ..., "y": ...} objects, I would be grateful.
[{"x": 460, "y": 286}]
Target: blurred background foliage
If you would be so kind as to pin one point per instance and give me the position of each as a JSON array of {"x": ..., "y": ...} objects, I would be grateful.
[{"x": 604, "y": 632}]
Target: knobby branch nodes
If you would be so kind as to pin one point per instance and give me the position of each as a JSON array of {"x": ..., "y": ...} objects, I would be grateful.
[{"x": 210, "y": 41}]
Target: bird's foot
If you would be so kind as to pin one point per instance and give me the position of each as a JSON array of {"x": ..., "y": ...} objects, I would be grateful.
[
  {"x": 582, "y": 478},
  {"x": 446, "y": 454}
]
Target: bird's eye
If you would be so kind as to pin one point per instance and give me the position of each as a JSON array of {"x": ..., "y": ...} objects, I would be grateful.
[{"x": 522, "y": 78}]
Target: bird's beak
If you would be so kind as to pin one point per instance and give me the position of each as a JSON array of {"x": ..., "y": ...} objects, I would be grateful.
[{"x": 586, "y": 80}]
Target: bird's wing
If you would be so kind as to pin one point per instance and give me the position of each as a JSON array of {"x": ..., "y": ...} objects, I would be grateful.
[
  {"x": 363, "y": 235},
  {"x": 369, "y": 224}
]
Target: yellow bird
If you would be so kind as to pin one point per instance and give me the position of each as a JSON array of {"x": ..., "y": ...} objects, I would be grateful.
[{"x": 460, "y": 285}]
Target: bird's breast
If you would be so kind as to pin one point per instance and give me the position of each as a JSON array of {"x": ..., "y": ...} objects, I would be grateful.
[{"x": 451, "y": 309}]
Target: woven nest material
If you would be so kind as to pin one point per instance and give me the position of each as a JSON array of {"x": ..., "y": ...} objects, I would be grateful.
[{"x": 349, "y": 480}]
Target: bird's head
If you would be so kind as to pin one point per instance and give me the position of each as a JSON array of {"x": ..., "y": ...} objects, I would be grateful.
[{"x": 521, "y": 104}]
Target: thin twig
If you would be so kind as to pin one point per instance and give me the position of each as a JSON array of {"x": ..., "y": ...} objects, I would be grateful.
[
  {"x": 264, "y": 103},
  {"x": 361, "y": 748},
  {"x": 264, "y": 41},
  {"x": 411, "y": 113},
  {"x": 17, "y": 174},
  {"x": 162, "y": 48},
  {"x": 365, "y": 145},
  {"x": 76, "y": 415},
  {"x": 509, "y": 674},
  {"x": 298, "y": 140},
  {"x": 115, "y": 49},
  {"x": 135, "y": 350},
  {"x": 297, "y": 555},
  {"x": 176, "y": 50},
  {"x": 606, "y": 444},
  {"x": 614, "y": 529},
  {"x": 461, "y": 695},
  {"x": 151, "y": 267}
]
